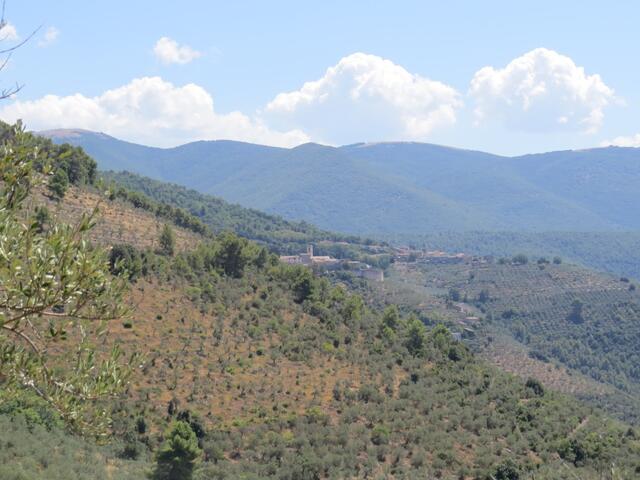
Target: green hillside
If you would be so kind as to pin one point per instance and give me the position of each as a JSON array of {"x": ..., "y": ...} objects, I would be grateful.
[
  {"x": 282, "y": 236},
  {"x": 614, "y": 252},
  {"x": 199, "y": 213},
  {"x": 219, "y": 215},
  {"x": 256, "y": 369},
  {"x": 583, "y": 321},
  {"x": 365, "y": 392},
  {"x": 396, "y": 187}
]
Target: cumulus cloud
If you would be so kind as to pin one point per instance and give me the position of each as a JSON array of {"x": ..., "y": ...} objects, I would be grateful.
[
  {"x": 8, "y": 32},
  {"x": 148, "y": 110},
  {"x": 541, "y": 91},
  {"x": 631, "y": 141},
  {"x": 169, "y": 51},
  {"x": 50, "y": 35},
  {"x": 365, "y": 97}
]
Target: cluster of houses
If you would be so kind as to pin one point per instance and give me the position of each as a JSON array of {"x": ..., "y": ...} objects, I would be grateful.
[
  {"x": 437, "y": 257},
  {"x": 361, "y": 269},
  {"x": 407, "y": 254},
  {"x": 325, "y": 262}
]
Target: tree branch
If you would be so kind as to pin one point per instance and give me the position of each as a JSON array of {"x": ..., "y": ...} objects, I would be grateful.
[{"x": 23, "y": 337}]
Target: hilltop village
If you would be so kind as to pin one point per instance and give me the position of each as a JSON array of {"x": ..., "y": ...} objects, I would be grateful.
[
  {"x": 325, "y": 262},
  {"x": 408, "y": 254},
  {"x": 364, "y": 270}
]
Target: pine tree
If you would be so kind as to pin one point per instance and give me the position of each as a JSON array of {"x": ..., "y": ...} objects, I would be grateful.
[
  {"x": 167, "y": 241},
  {"x": 177, "y": 457},
  {"x": 416, "y": 336}
]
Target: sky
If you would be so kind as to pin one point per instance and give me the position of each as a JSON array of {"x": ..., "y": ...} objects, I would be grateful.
[{"x": 500, "y": 76}]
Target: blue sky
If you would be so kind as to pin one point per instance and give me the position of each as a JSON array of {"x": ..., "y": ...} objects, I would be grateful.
[{"x": 502, "y": 76}]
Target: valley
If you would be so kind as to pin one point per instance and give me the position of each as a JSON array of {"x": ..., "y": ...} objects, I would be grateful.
[
  {"x": 280, "y": 371},
  {"x": 572, "y": 328},
  {"x": 330, "y": 241}
]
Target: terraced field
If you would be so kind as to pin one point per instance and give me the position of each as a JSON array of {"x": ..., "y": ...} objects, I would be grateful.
[
  {"x": 575, "y": 329},
  {"x": 245, "y": 348},
  {"x": 117, "y": 222}
]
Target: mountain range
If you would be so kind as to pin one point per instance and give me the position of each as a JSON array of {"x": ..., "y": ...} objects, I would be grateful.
[{"x": 376, "y": 188}]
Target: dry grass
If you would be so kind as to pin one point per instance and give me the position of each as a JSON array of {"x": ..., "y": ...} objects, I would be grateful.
[
  {"x": 231, "y": 378},
  {"x": 226, "y": 379},
  {"x": 117, "y": 223},
  {"x": 514, "y": 358}
]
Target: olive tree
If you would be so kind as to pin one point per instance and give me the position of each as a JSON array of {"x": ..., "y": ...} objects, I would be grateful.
[{"x": 56, "y": 294}]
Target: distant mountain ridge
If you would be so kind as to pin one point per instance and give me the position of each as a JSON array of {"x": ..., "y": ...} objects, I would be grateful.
[
  {"x": 279, "y": 235},
  {"x": 396, "y": 187}
]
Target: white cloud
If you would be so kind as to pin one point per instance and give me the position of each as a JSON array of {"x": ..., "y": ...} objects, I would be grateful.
[
  {"x": 366, "y": 97},
  {"x": 148, "y": 110},
  {"x": 169, "y": 51},
  {"x": 631, "y": 141},
  {"x": 50, "y": 35},
  {"x": 541, "y": 91},
  {"x": 8, "y": 32}
]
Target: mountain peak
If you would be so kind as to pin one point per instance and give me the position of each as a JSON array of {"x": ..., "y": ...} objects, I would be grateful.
[
  {"x": 64, "y": 133},
  {"x": 313, "y": 146}
]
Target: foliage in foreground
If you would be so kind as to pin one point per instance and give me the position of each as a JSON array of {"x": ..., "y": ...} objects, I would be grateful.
[
  {"x": 56, "y": 293},
  {"x": 35, "y": 446}
]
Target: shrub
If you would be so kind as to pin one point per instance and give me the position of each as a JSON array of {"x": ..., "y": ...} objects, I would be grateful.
[
  {"x": 167, "y": 241},
  {"x": 507, "y": 470},
  {"x": 127, "y": 259},
  {"x": 520, "y": 259},
  {"x": 58, "y": 184},
  {"x": 454, "y": 295},
  {"x": 535, "y": 386},
  {"x": 576, "y": 316},
  {"x": 380, "y": 435},
  {"x": 42, "y": 217}
]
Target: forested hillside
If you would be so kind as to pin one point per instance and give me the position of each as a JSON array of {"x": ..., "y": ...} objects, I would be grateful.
[
  {"x": 397, "y": 187},
  {"x": 278, "y": 234},
  {"x": 255, "y": 369},
  {"x": 189, "y": 210},
  {"x": 436, "y": 221}
]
